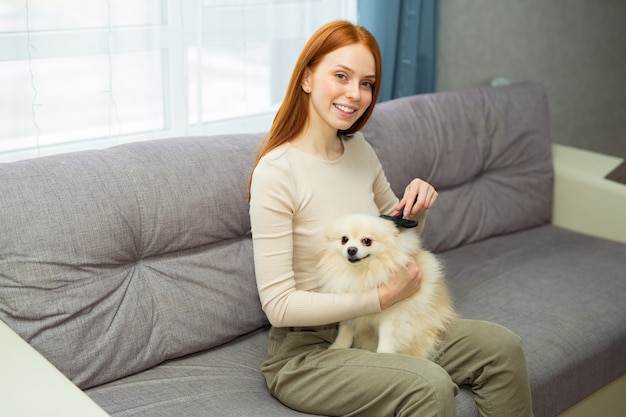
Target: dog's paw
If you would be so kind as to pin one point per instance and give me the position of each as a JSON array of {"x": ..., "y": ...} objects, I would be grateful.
[{"x": 338, "y": 346}]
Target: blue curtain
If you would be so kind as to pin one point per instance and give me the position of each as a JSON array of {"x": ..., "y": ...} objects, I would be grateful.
[{"x": 406, "y": 31}]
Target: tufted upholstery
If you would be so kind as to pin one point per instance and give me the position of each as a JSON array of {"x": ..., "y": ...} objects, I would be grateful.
[{"x": 122, "y": 258}]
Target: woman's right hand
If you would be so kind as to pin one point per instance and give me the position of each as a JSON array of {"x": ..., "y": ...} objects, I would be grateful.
[{"x": 403, "y": 284}]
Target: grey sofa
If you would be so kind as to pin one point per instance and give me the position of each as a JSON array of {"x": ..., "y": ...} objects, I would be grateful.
[{"x": 130, "y": 269}]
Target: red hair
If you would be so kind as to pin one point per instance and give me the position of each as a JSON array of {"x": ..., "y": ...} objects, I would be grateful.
[{"x": 293, "y": 114}]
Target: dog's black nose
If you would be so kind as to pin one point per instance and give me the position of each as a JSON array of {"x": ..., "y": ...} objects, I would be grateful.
[{"x": 352, "y": 251}]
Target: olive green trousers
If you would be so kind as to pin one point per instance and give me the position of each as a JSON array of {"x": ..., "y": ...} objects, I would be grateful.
[{"x": 305, "y": 375}]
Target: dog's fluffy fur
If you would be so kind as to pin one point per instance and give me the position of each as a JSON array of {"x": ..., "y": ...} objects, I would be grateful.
[{"x": 361, "y": 253}]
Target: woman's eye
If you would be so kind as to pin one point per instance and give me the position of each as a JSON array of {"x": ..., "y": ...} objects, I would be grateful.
[
  {"x": 367, "y": 84},
  {"x": 342, "y": 77}
]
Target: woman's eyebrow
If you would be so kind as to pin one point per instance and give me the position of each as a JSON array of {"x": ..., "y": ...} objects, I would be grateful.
[{"x": 348, "y": 69}]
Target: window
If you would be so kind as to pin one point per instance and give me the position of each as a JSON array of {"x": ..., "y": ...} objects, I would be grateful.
[{"x": 78, "y": 75}]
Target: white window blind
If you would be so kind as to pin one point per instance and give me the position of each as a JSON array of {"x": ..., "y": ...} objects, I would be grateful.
[{"x": 95, "y": 73}]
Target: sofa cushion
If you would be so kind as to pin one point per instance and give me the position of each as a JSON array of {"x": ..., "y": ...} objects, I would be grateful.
[
  {"x": 486, "y": 150},
  {"x": 563, "y": 293},
  {"x": 116, "y": 260},
  {"x": 224, "y": 381}
]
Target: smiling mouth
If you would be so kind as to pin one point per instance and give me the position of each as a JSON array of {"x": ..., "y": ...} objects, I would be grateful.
[
  {"x": 345, "y": 109},
  {"x": 355, "y": 260}
]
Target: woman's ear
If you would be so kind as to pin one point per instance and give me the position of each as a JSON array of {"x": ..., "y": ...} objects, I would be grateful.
[{"x": 306, "y": 81}]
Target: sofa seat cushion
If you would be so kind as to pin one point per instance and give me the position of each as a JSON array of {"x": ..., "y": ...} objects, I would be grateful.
[
  {"x": 224, "y": 381},
  {"x": 563, "y": 293}
]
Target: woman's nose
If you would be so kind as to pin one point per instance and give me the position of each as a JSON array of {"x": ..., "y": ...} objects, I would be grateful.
[{"x": 353, "y": 91}]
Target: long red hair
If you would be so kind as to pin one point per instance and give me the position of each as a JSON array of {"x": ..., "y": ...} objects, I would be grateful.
[{"x": 293, "y": 114}]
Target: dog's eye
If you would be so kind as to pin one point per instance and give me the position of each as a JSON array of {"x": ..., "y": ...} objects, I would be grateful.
[
  {"x": 344, "y": 240},
  {"x": 367, "y": 241}
]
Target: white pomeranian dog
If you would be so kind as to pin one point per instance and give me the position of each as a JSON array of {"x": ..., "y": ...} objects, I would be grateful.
[{"x": 361, "y": 253}]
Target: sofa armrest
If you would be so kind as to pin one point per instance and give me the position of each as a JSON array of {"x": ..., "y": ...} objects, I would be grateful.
[
  {"x": 584, "y": 200},
  {"x": 32, "y": 386}
]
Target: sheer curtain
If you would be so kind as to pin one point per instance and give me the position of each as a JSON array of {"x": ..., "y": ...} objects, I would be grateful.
[{"x": 90, "y": 74}]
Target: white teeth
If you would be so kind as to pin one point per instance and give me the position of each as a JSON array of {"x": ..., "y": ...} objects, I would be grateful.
[{"x": 344, "y": 108}]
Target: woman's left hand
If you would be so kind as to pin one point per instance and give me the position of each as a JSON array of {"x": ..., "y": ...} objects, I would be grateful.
[{"x": 418, "y": 196}]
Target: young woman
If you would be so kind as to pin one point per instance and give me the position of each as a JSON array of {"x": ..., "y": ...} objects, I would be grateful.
[{"x": 313, "y": 166}]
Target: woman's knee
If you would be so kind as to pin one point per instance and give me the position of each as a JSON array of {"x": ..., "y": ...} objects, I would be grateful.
[
  {"x": 489, "y": 336},
  {"x": 504, "y": 343},
  {"x": 427, "y": 386}
]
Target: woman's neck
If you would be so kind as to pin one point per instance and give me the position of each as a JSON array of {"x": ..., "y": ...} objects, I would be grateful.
[{"x": 328, "y": 147}]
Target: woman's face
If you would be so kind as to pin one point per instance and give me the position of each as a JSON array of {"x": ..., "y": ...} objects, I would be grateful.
[{"x": 341, "y": 88}]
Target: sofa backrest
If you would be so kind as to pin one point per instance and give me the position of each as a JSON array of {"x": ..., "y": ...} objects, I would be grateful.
[
  {"x": 486, "y": 150},
  {"x": 112, "y": 261}
]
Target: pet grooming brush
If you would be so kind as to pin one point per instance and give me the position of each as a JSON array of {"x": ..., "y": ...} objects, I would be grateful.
[{"x": 400, "y": 221}]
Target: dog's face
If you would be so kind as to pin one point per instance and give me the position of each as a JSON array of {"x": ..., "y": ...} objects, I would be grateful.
[
  {"x": 360, "y": 239},
  {"x": 358, "y": 247},
  {"x": 362, "y": 251}
]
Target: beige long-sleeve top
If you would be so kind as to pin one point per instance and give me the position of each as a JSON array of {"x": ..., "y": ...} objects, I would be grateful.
[{"x": 294, "y": 196}]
